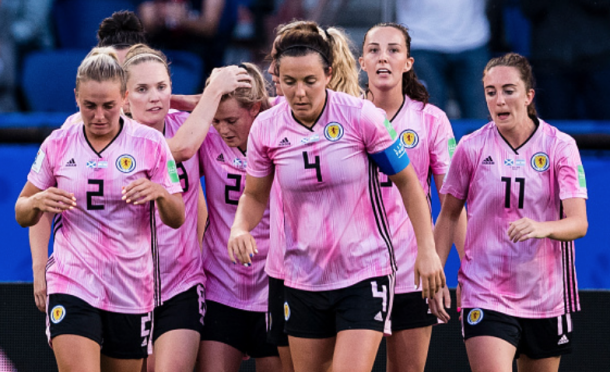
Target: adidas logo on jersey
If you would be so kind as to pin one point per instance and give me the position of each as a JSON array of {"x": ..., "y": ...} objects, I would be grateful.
[
  {"x": 284, "y": 142},
  {"x": 379, "y": 317},
  {"x": 221, "y": 158},
  {"x": 488, "y": 161},
  {"x": 71, "y": 163},
  {"x": 563, "y": 340}
]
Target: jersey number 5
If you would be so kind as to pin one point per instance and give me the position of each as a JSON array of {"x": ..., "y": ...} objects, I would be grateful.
[
  {"x": 521, "y": 182},
  {"x": 91, "y": 194}
]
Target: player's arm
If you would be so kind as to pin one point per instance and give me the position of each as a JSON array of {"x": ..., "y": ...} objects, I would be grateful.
[
  {"x": 39, "y": 242},
  {"x": 184, "y": 102},
  {"x": 170, "y": 206},
  {"x": 202, "y": 214},
  {"x": 192, "y": 133},
  {"x": 427, "y": 264},
  {"x": 32, "y": 202},
  {"x": 572, "y": 227},
  {"x": 250, "y": 211},
  {"x": 460, "y": 232}
]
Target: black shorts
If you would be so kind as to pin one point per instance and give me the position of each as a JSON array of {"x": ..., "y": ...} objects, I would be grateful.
[
  {"x": 535, "y": 338},
  {"x": 121, "y": 336},
  {"x": 241, "y": 329},
  {"x": 411, "y": 311},
  {"x": 276, "y": 322},
  {"x": 364, "y": 305},
  {"x": 183, "y": 311}
]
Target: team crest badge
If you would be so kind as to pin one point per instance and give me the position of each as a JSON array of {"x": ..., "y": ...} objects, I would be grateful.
[
  {"x": 286, "y": 311},
  {"x": 333, "y": 131},
  {"x": 409, "y": 138},
  {"x": 475, "y": 316},
  {"x": 58, "y": 313},
  {"x": 126, "y": 163},
  {"x": 540, "y": 162}
]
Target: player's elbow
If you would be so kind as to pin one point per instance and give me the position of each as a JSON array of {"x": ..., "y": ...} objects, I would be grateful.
[{"x": 583, "y": 227}]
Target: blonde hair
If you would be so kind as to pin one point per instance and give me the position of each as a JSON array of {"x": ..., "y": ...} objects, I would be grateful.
[
  {"x": 344, "y": 67},
  {"x": 248, "y": 97},
  {"x": 101, "y": 64},
  {"x": 143, "y": 53}
]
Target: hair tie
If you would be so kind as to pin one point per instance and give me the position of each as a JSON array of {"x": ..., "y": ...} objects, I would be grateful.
[
  {"x": 142, "y": 55},
  {"x": 307, "y": 47}
]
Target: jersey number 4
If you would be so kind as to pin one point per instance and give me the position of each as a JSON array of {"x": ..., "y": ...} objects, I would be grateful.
[
  {"x": 521, "y": 182},
  {"x": 315, "y": 165}
]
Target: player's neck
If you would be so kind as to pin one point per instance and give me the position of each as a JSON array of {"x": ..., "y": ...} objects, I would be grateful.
[
  {"x": 388, "y": 100},
  {"x": 517, "y": 134}
]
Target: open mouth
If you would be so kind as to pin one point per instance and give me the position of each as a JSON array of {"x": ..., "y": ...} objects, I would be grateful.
[
  {"x": 154, "y": 109},
  {"x": 383, "y": 71},
  {"x": 503, "y": 115}
]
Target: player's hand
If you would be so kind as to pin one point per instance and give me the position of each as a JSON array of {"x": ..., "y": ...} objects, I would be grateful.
[
  {"x": 524, "y": 229},
  {"x": 440, "y": 302},
  {"x": 40, "y": 289},
  {"x": 53, "y": 200},
  {"x": 241, "y": 247},
  {"x": 142, "y": 191},
  {"x": 429, "y": 270},
  {"x": 227, "y": 79}
]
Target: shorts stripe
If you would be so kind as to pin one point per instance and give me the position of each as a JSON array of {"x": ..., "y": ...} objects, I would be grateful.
[{"x": 387, "y": 327}]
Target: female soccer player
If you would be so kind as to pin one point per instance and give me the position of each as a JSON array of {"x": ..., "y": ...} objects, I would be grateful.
[
  {"x": 178, "y": 322},
  {"x": 344, "y": 79},
  {"x": 236, "y": 295},
  {"x": 426, "y": 134},
  {"x": 525, "y": 187},
  {"x": 99, "y": 176},
  {"x": 339, "y": 259}
]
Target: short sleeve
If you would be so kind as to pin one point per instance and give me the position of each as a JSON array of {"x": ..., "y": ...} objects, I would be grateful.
[
  {"x": 442, "y": 146},
  {"x": 164, "y": 171},
  {"x": 570, "y": 172},
  {"x": 41, "y": 174},
  {"x": 259, "y": 163},
  {"x": 378, "y": 133},
  {"x": 457, "y": 180}
]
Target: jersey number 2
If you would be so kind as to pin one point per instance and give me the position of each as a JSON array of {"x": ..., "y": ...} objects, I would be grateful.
[
  {"x": 236, "y": 187},
  {"x": 91, "y": 194}
]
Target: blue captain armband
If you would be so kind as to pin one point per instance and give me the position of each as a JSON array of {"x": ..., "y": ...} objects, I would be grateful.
[{"x": 393, "y": 159}]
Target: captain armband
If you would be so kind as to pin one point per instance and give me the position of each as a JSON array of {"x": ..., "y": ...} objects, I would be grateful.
[{"x": 393, "y": 159}]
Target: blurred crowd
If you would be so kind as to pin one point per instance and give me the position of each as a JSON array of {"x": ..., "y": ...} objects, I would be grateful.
[{"x": 567, "y": 41}]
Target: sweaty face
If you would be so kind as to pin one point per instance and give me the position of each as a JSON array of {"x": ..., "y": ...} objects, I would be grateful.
[
  {"x": 150, "y": 91},
  {"x": 303, "y": 82},
  {"x": 233, "y": 122},
  {"x": 100, "y": 107},
  {"x": 384, "y": 58},
  {"x": 506, "y": 96}
]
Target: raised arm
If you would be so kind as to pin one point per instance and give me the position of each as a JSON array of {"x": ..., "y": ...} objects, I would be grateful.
[
  {"x": 250, "y": 211},
  {"x": 427, "y": 265},
  {"x": 192, "y": 133}
]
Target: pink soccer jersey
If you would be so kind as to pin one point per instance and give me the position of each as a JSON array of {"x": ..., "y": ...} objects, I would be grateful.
[
  {"x": 334, "y": 223},
  {"x": 277, "y": 244},
  {"x": 104, "y": 247},
  {"x": 531, "y": 279},
  {"x": 179, "y": 250},
  {"x": 426, "y": 134},
  {"x": 233, "y": 285}
]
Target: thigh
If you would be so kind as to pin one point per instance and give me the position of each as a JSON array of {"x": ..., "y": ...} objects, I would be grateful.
[
  {"x": 176, "y": 350},
  {"x": 217, "y": 356},
  {"x": 365, "y": 305},
  {"x": 110, "y": 364},
  {"x": 184, "y": 311},
  {"x": 257, "y": 345},
  {"x": 275, "y": 318},
  {"x": 546, "y": 338},
  {"x": 355, "y": 350},
  {"x": 311, "y": 354},
  {"x": 490, "y": 354},
  {"x": 69, "y": 315},
  {"x": 286, "y": 358},
  {"x": 268, "y": 364},
  {"x": 309, "y": 314},
  {"x": 126, "y": 336},
  {"x": 76, "y": 353},
  {"x": 227, "y": 325},
  {"x": 407, "y": 350}
]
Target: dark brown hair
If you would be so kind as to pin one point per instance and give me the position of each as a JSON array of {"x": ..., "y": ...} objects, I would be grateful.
[
  {"x": 302, "y": 41},
  {"x": 525, "y": 71},
  {"x": 121, "y": 30},
  {"x": 411, "y": 86}
]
